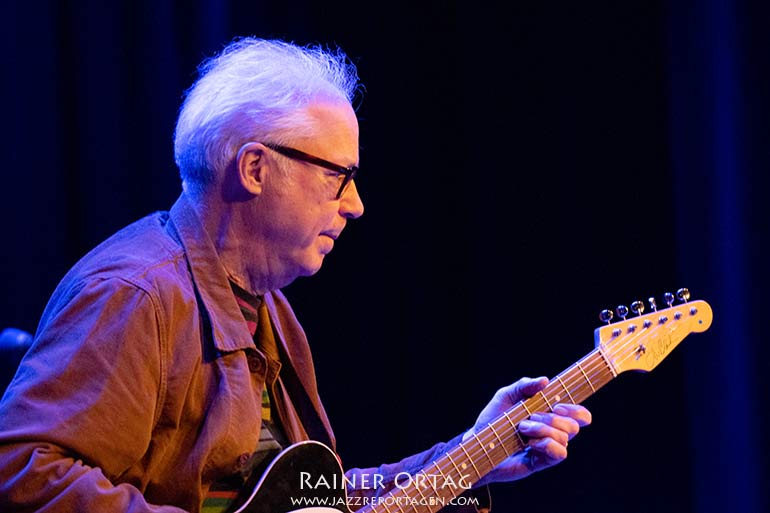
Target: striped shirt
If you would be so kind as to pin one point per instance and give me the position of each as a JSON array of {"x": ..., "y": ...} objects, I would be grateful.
[{"x": 272, "y": 438}]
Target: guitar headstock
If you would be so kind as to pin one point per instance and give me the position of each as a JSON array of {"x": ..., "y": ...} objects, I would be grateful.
[{"x": 642, "y": 341}]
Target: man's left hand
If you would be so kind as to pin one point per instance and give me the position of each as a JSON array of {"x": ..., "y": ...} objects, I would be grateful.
[{"x": 547, "y": 434}]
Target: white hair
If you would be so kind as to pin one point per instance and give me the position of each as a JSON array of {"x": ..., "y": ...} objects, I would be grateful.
[{"x": 255, "y": 89}]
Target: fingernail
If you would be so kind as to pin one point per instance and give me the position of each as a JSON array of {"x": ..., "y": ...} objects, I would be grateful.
[
  {"x": 526, "y": 424},
  {"x": 560, "y": 409}
]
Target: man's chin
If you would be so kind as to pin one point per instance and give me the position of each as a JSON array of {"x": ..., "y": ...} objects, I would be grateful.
[{"x": 310, "y": 270}]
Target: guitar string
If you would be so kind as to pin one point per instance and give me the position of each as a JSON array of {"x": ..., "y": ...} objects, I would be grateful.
[
  {"x": 577, "y": 385},
  {"x": 598, "y": 368},
  {"x": 627, "y": 349},
  {"x": 405, "y": 494}
]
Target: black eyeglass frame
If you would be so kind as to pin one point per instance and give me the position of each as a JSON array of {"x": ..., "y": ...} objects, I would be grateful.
[{"x": 349, "y": 173}]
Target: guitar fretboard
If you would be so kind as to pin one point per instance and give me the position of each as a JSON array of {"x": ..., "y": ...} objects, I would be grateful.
[
  {"x": 634, "y": 344},
  {"x": 464, "y": 465}
]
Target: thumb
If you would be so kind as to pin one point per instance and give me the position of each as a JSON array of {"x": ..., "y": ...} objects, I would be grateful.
[
  {"x": 505, "y": 398},
  {"x": 523, "y": 388}
]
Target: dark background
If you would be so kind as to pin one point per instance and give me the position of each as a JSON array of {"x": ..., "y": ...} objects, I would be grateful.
[{"x": 523, "y": 167}]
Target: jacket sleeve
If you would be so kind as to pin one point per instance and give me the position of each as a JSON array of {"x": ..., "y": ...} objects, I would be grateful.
[
  {"x": 368, "y": 485},
  {"x": 81, "y": 408}
]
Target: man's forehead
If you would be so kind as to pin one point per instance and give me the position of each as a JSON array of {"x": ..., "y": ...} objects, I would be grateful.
[
  {"x": 336, "y": 131},
  {"x": 334, "y": 112}
]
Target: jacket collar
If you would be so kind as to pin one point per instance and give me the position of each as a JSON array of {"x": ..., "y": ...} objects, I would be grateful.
[{"x": 228, "y": 327}]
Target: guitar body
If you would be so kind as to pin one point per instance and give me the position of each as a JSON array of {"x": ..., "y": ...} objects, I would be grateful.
[{"x": 304, "y": 478}]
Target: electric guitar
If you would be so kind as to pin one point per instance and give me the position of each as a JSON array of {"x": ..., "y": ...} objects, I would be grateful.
[{"x": 307, "y": 477}]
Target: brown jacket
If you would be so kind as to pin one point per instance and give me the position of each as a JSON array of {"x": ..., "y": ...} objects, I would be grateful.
[{"x": 143, "y": 385}]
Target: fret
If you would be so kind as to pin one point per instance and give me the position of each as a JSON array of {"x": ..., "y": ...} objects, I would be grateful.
[
  {"x": 547, "y": 402},
  {"x": 586, "y": 377},
  {"x": 462, "y": 446},
  {"x": 566, "y": 389},
  {"x": 608, "y": 362},
  {"x": 398, "y": 504},
  {"x": 443, "y": 476},
  {"x": 432, "y": 483},
  {"x": 459, "y": 474},
  {"x": 417, "y": 484},
  {"x": 515, "y": 429},
  {"x": 485, "y": 449},
  {"x": 499, "y": 439},
  {"x": 525, "y": 407},
  {"x": 510, "y": 421}
]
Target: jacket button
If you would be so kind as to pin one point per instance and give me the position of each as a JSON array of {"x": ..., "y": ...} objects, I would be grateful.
[
  {"x": 243, "y": 460},
  {"x": 255, "y": 363}
]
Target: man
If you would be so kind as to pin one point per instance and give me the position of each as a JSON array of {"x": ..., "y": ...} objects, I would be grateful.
[{"x": 168, "y": 368}]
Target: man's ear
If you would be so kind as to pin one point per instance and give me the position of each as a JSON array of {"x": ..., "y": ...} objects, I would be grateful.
[{"x": 250, "y": 167}]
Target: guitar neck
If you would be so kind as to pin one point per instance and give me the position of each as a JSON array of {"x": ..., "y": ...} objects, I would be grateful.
[
  {"x": 465, "y": 464},
  {"x": 640, "y": 344}
]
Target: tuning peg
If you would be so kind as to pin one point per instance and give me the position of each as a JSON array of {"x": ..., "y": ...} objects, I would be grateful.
[
  {"x": 637, "y": 307},
  {"x": 653, "y": 304},
  {"x": 683, "y": 295},
  {"x": 605, "y": 316},
  {"x": 622, "y": 311},
  {"x": 668, "y": 297}
]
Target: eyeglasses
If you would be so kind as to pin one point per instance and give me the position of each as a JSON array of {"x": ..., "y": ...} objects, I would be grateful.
[{"x": 348, "y": 173}]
